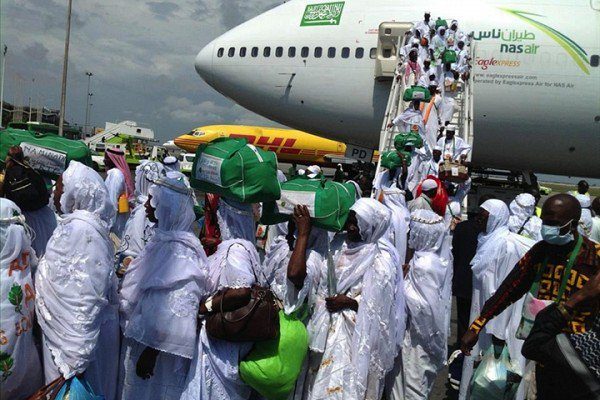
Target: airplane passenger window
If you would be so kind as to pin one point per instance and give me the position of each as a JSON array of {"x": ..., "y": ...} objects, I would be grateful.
[
  {"x": 359, "y": 52},
  {"x": 373, "y": 52},
  {"x": 318, "y": 52},
  {"x": 292, "y": 52},
  {"x": 304, "y": 52},
  {"x": 220, "y": 52},
  {"x": 267, "y": 51},
  {"x": 231, "y": 52},
  {"x": 242, "y": 52},
  {"x": 594, "y": 60},
  {"x": 278, "y": 51},
  {"x": 331, "y": 52},
  {"x": 254, "y": 52},
  {"x": 345, "y": 52}
]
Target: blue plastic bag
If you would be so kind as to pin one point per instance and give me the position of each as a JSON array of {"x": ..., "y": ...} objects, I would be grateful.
[
  {"x": 77, "y": 389},
  {"x": 495, "y": 378}
]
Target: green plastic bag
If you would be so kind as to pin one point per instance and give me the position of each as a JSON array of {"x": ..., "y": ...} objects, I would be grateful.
[
  {"x": 237, "y": 170},
  {"x": 449, "y": 56},
  {"x": 496, "y": 378},
  {"x": 272, "y": 367},
  {"x": 440, "y": 22},
  {"x": 416, "y": 93},
  {"x": 328, "y": 202},
  {"x": 404, "y": 139},
  {"x": 391, "y": 159},
  {"x": 47, "y": 153}
]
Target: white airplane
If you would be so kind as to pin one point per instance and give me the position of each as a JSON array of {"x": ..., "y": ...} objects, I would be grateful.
[{"x": 310, "y": 65}]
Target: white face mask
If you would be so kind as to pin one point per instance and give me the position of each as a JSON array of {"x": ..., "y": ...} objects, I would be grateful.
[{"x": 551, "y": 234}]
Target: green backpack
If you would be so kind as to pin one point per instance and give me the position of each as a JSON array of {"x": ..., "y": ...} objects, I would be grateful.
[
  {"x": 416, "y": 93},
  {"x": 273, "y": 366},
  {"x": 47, "y": 153},
  {"x": 449, "y": 56},
  {"x": 391, "y": 159},
  {"x": 328, "y": 202},
  {"x": 404, "y": 139},
  {"x": 237, "y": 170}
]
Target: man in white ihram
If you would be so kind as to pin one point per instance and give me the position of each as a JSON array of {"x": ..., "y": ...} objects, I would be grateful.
[{"x": 453, "y": 147}]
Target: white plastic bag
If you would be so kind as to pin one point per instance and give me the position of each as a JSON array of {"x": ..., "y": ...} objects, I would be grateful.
[{"x": 496, "y": 378}]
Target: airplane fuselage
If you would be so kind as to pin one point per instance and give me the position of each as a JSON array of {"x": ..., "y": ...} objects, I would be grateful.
[{"x": 537, "y": 83}]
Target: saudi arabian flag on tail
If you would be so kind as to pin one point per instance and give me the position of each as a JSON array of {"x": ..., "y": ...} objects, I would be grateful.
[{"x": 322, "y": 14}]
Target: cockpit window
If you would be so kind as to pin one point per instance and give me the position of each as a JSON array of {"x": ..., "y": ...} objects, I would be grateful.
[
  {"x": 278, "y": 51},
  {"x": 254, "y": 52},
  {"x": 304, "y": 52},
  {"x": 220, "y": 52},
  {"x": 267, "y": 52},
  {"x": 231, "y": 52}
]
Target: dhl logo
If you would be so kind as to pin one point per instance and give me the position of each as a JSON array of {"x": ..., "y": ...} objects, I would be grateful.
[{"x": 276, "y": 144}]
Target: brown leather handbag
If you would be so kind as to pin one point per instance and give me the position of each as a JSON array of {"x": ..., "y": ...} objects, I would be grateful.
[{"x": 256, "y": 321}]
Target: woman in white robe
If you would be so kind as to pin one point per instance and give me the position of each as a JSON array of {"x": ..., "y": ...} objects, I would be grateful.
[
  {"x": 498, "y": 251},
  {"x": 76, "y": 285},
  {"x": 523, "y": 220},
  {"x": 350, "y": 333},
  {"x": 139, "y": 230},
  {"x": 428, "y": 287},
  {"x": 20, "y": 367},
  {"x": 160, "y": 297},
  {"x": 214, "y": 373}
]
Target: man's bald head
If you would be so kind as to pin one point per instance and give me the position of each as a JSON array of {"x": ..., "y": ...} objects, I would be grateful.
[{"x": 560, "y": 209}]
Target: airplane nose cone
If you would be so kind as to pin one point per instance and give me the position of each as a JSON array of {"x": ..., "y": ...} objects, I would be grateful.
[{"x": 204, "y": 62}]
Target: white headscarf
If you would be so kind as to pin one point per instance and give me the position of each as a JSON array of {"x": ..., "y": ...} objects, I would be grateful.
[
  {"x": 75, "y": 280},
  {"x": 171, "y": 163},
  {"x": 429, "y": 285},
  {"x": 85, "y": 192},
  {"x": 369, "y": 262},
  {"x": 146, "y": 174},
  {"x": 139, "y": 229},
  {"x": 17, "y": 303},
  {"x": 162, "y": 288},
  {"x": 496, "y": 231},
  {"x": 236, "y": 220},
  {"x": 522, "y": 217}
]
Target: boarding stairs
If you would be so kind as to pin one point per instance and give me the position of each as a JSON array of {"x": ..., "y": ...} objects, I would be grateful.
[{"x": 462, "y": 118}]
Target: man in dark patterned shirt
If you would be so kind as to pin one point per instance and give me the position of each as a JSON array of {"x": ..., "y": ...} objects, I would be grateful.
[{"x": 560, "y": 215}]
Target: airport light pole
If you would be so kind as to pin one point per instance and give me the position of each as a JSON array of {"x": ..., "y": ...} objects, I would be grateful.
[
  {"x": 87, "y": 106},
  {"x": 63, "y": 92},
  {"x": 2, "y": 84}
]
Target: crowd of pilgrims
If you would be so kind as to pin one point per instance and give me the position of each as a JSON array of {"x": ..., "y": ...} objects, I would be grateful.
[{"x": 121, "y": 299}]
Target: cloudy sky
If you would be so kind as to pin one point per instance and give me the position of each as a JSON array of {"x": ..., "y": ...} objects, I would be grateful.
[{"x": 140, "y": 52}]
